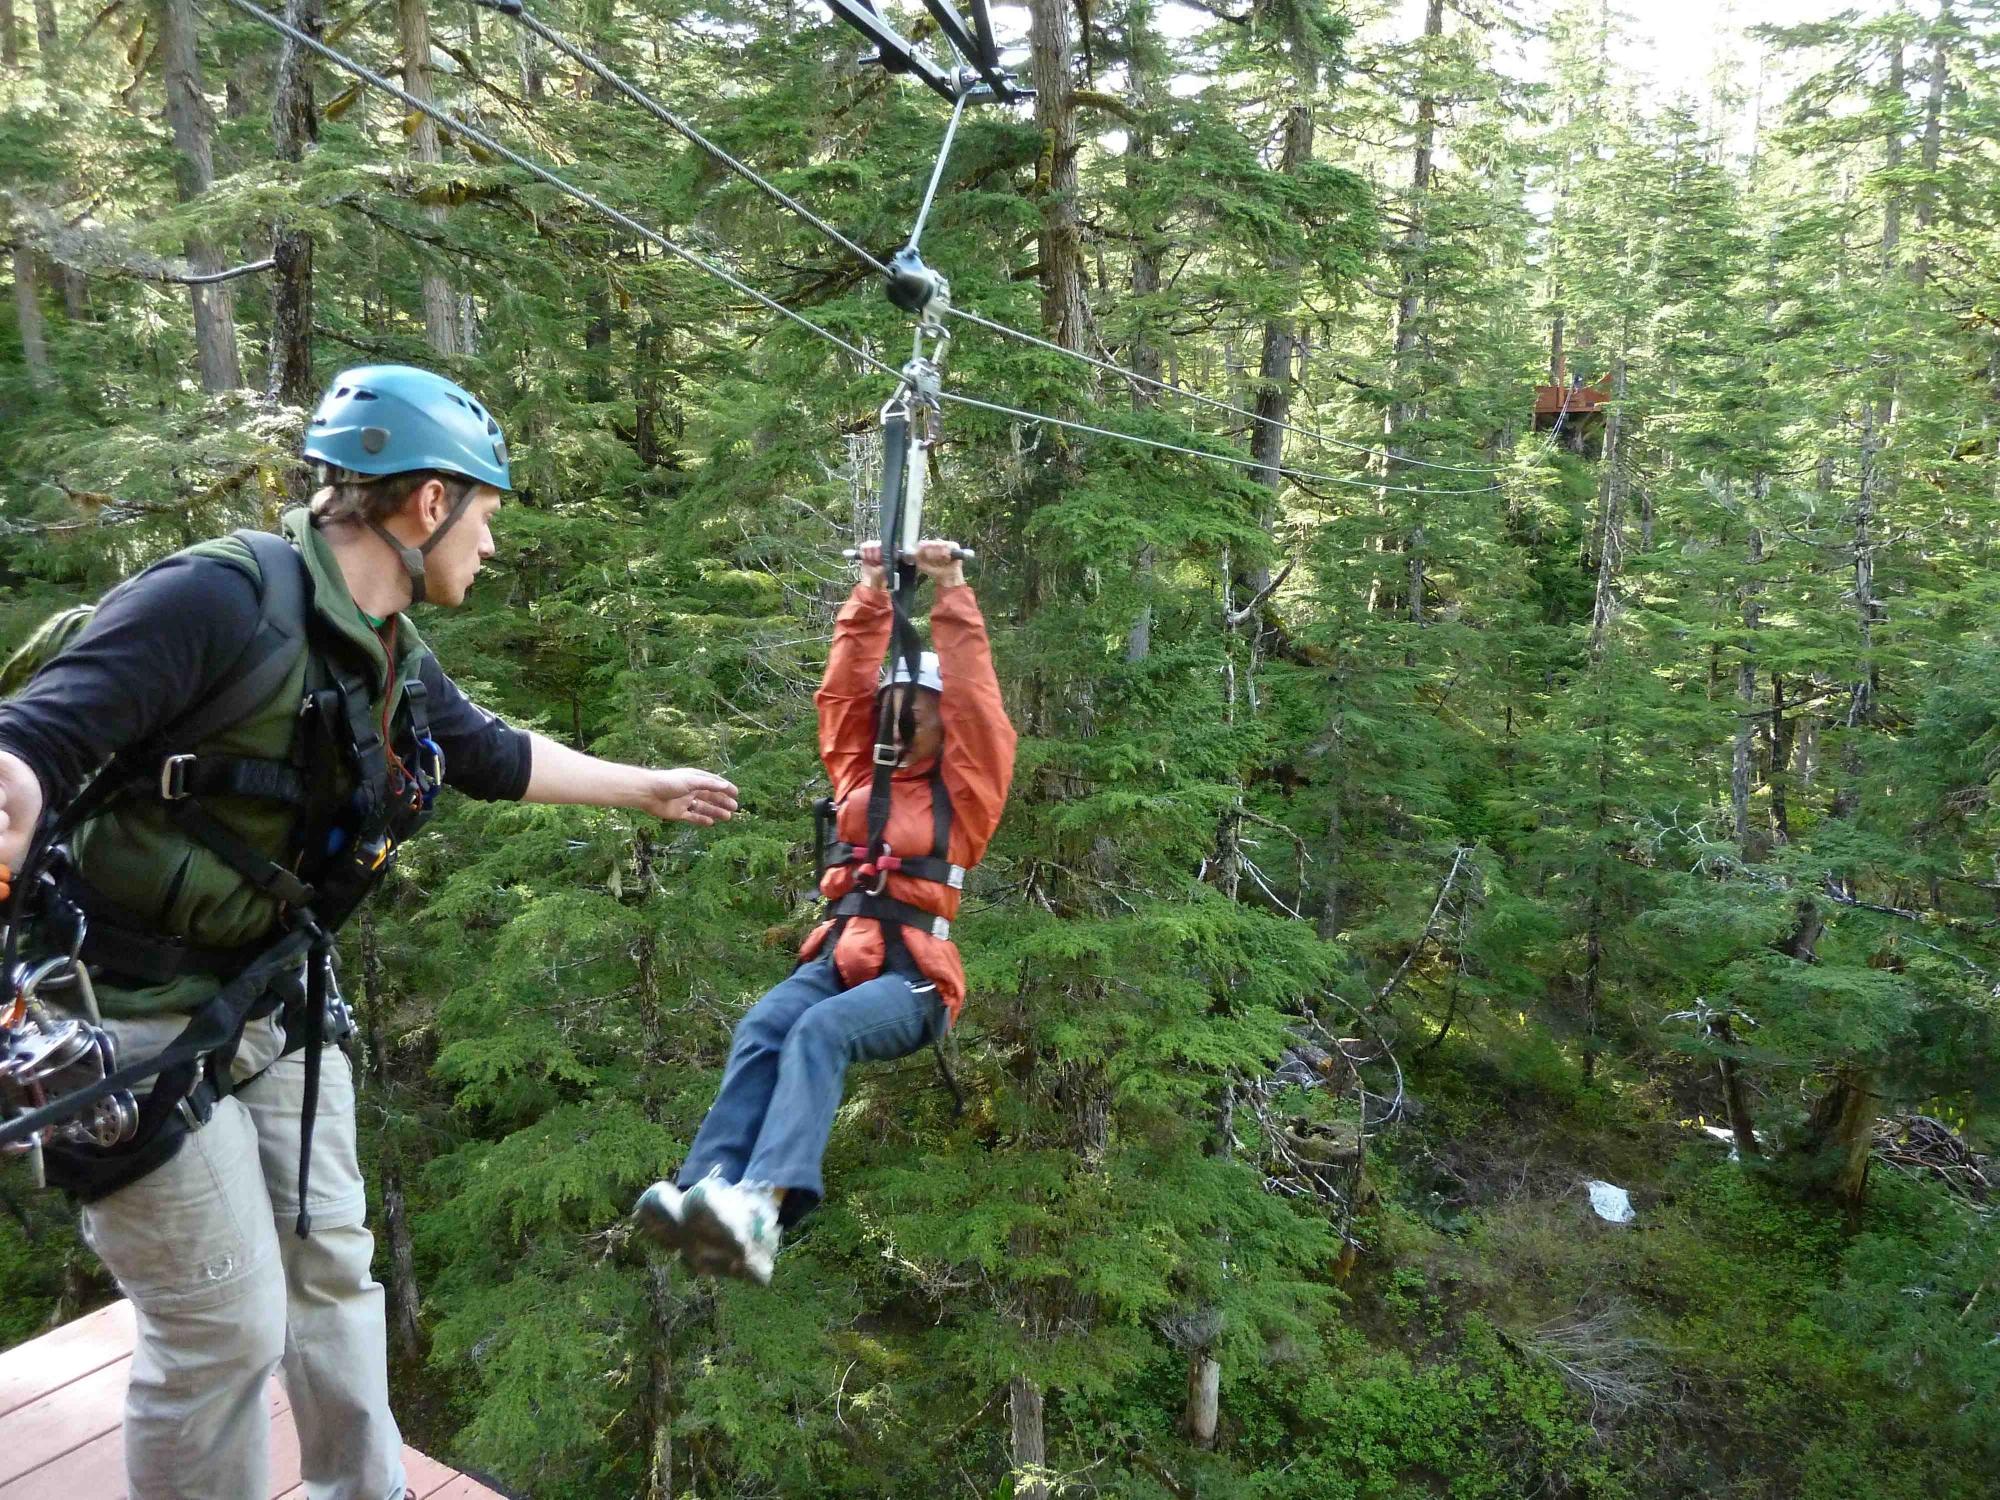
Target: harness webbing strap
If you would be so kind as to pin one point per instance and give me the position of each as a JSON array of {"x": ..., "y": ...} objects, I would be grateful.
[
  {"x": 231, "y": 776},
  {"x": 258, "y": 869},
  {"x": 935, "y": 866},
  {"x": 886, "y": 909}
]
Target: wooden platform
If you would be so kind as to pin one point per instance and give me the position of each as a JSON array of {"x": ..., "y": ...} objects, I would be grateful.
[{"x": 61, "y": 1399}]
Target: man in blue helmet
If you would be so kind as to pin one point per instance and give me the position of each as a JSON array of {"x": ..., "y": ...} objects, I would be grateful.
[{"x": 260, "y": 727}]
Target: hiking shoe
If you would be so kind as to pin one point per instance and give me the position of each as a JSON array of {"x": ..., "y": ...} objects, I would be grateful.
[
  {"x": 732, "y": 1229},
  {"x": 661, "y": 1214}
]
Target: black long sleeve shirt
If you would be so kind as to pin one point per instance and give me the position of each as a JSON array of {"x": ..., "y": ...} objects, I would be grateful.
[{"x": 165, "y": 642}]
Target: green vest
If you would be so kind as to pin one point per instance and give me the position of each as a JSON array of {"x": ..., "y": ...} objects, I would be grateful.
[{"x": 134, "y": 855}]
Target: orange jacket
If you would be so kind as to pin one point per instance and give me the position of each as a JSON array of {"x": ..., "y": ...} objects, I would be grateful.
[{"x": 977, "y": 767}]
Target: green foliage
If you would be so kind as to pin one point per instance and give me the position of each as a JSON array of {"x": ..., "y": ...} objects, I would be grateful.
[{"x": 1463, "y": 786}]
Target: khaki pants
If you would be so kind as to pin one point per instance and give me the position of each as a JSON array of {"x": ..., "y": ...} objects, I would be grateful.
[{"x": 226, "y": 1292}]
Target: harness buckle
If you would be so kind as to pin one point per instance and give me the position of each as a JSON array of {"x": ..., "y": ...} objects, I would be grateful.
[
  {"x": 173, "y": 778},
  {"x": 941, "y": 929},
  {"x": 886, "y": 755}
]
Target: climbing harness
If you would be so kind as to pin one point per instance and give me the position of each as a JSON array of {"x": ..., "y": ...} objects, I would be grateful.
[{"x": 63, "y": 1094}]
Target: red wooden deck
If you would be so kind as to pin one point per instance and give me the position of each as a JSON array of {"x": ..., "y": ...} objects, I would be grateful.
[{"x": 61, "y": 1397}]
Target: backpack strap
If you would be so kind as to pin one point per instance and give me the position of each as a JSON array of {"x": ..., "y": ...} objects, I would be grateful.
[{"x": 284, "y": 596}]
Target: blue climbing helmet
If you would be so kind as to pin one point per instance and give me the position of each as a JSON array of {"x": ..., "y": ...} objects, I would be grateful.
[{"x": 380, "y": 420}]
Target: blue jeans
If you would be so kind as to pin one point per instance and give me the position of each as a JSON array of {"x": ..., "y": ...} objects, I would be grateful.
[{"x": 771, "y": 1119}]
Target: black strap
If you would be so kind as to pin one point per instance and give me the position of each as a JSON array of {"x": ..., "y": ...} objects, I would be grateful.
[
  {"x": 935, "y": 866},
  {"x": 119, "y": 944},
  {"x": 886, "y": 909},
  {"x": 317, "y": 960},
  {"x": 231, "y": 776},
  {"x": 266, "y": 874},
  {"x": 284, "y": 596},
  {"x": 926, "y": 867},
  {"x": 213, "y": 1026}
]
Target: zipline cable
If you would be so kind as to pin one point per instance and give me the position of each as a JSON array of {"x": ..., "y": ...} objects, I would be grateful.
[
  {"x": 514, "y": 10},
  {"x": 1217, "y": 404},
  {"x": 659, "y": 111},
  {"x": 480, "y": 138},
  {"x": 1220, "y": 458}
]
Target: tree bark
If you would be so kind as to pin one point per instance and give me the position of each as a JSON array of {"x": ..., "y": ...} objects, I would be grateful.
[
  {"x": 1742, "y": 1125},
  {"x": 192, "y": 124},
  {"x": 10, "y": 42},
  {"x": 1061, "y": 236},
  {"x": 1841, "y": 1135},
  {"x": 1611, "y": 516},
  {"x": 1143, "y": 65},
  {"x": 48, "y": 42},
  {"x": 294, "y": 127},
  {"x": 1277, "y": 359},
  {"x": 1933, "y": 139},
  {"x": 1030, "y": 1454},
  {"x": 660, "y": 1377},
  {"x": 440, "y": 304},
  {"x": 1404, "y": 405},
  {"x": 1750, "y": 848},
  {"x": 28, "y": 317},
  {"x": 1203, "y": 1399}
]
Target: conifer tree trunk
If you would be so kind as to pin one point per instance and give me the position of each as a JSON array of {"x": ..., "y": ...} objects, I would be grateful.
[
  {"x": 1746, "y": 699},
  {"x": 48, "y": 38},
  {"x": 1841, "y": 1131},
  {"x": 1611, "y": 513},
  {"x": 1742, "y": 1125},
  {"x": 440, "y": 305},
  {"x": 1061, "y": 239},
  {"x": 28, "y": 316},
  {"x": 1277, "y": 358},
  {"x": 1030, "y": 1451},
  {"x": 1051, "y": 43},
  {"x": 1403, "y": 333},
  {"x": 10, "y": 43},
  {"x": 192, "y": 124},
  {"x": 294, "y": 126},
  {"x": 1933, "y": 139},
  {"x": 1142, "y": 65},
  {"x": 660, "y": 1376}
]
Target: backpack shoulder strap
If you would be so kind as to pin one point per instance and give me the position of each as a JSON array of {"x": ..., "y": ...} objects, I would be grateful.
[{"x": 268, "y": 657}]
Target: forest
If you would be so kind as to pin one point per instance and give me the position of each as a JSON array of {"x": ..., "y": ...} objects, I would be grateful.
[{"x": 1489, "y": 560}]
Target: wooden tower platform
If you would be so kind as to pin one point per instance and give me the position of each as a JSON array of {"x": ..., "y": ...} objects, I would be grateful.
[{"x": 61, "y": 1399}]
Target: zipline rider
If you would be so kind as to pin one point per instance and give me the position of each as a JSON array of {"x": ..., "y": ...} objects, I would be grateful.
[{"x": 215, "y": 826}]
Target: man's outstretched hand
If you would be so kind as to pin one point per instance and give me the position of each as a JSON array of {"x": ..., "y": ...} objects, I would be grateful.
[{"x": 686, "y": 795}]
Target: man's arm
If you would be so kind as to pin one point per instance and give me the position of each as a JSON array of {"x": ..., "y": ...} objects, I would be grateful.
[
  {"x": 489, "y": 759},
  {"x": 156, "y": 645},
  {"x": 560, "y": 774}
]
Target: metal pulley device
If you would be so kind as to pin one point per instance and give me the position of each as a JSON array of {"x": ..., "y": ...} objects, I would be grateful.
[
  {"x": 44, "y": 1058},
  {"x": 910, "y": 417}
]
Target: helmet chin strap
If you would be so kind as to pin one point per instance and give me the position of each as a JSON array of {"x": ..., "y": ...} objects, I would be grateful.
[{"x": 413, "y": 557}]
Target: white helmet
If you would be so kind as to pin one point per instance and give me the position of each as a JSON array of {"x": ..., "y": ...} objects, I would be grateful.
[{"x": 927, "y": 673}]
